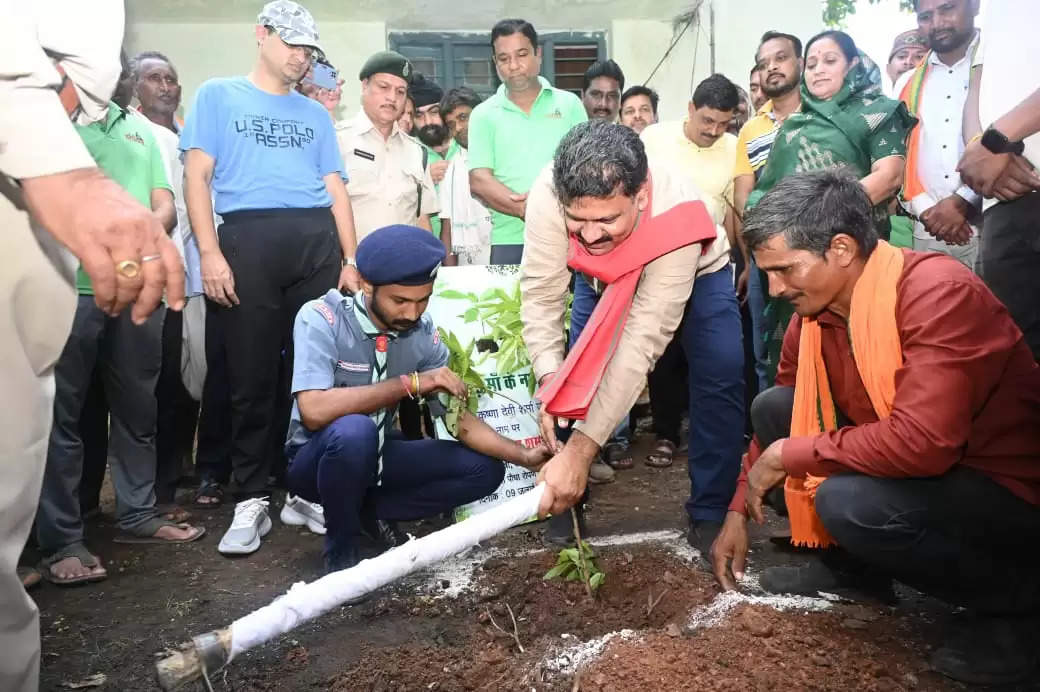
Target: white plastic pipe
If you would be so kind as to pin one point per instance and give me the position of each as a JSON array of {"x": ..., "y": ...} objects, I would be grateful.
[{"x": 307, "y": 601}]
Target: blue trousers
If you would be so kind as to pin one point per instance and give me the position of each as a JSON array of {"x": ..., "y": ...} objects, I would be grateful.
[
  {"x": 712, "y": 339},
  {"x": 585, "y": 301},
  {"x": 422, "y": 478}
]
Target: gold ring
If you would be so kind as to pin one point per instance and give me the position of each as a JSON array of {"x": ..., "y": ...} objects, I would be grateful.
[
  {"x": 149, "y": 258},
  {"x": 128, "y": 269}
]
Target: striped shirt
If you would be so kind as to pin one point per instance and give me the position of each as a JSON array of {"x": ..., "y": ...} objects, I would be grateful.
[{"x": 755, "y": 141}]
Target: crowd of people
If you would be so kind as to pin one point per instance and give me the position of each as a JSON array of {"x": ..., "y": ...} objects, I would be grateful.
[{"x": 832, "y": 274}]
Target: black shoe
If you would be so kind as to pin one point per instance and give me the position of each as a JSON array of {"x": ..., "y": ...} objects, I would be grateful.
[
  {"x": 989, "y": 651},
  {"x": 336, "y": 561},
  {"x": 385, "y": 533},
  {"x": 702, "y": 534},
  {"x": 834, "y": 571},
  {"x": 560, "y": 530}
]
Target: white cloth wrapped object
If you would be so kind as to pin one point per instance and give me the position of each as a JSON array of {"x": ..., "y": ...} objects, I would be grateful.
[{"x": 307, "y": 601}]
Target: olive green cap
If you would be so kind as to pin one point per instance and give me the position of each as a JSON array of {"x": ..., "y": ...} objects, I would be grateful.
[{"x": 390, "y": 62}]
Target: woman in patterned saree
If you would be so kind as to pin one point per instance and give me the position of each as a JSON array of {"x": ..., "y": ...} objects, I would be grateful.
[{"x": 844, "y": 121}]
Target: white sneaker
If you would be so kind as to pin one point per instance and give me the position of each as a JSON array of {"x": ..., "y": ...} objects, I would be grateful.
[
  {"x": 298, "y": 512},
  {"x": 251, "y": 522}
]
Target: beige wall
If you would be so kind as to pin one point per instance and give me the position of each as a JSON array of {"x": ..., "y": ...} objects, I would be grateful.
[
  {"x": 202, "y": 51},
  {"x": 637, "y": 45},
  {"x": 219, "y": 48}
]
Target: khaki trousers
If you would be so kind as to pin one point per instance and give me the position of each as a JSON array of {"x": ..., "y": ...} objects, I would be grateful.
[{"x": 37, "y": 303}]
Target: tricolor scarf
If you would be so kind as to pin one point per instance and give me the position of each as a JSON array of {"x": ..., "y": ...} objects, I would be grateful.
[
  {"x": 911, "y": 96},
  {"x": 569, "y": 393},
  {"x": 874, "y": 336}
]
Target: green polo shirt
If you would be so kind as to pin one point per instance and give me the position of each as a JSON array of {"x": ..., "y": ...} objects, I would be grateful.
[
  {"x": 517, "y": 146},
  {"x": 125, "y": 149},
  {"x": 433, "y": 157}
]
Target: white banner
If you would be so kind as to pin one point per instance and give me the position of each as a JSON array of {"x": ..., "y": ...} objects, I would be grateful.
[{"x": 471, "y": 302}]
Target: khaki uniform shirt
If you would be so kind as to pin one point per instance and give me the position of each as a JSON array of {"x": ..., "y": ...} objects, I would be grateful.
[
  {"x": 385, "y": 175},
  {"x": 36, "y": 137},
  {"x": 657, "y": 308}
]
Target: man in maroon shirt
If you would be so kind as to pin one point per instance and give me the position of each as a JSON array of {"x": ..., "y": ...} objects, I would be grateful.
[{"x": 944, "y": 493}]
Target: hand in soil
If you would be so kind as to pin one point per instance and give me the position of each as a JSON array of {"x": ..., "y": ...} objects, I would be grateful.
[
  {"x": 730, "y": 545},
  {"x": 767, "y": 472}
]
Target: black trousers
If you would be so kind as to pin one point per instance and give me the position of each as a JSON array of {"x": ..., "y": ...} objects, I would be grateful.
[
  {"x": 960, "y": 536},
  {"x": 213, "y": 453},
  {"x": 1009, "y": 261},
  {"x": 93, "y": 431},
  {"x": 280, "y": 258},
  {"x": 178, "y": 413},
  {"x": 669, "y": 393}
]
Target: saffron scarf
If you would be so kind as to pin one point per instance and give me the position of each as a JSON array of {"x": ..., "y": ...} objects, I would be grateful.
[
  {"x": 570, "y": 391},
  {"x": 874, "y": 336}
]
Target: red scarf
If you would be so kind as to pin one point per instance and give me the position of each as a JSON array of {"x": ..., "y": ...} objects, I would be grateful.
[{"x": 570, "y": 391}]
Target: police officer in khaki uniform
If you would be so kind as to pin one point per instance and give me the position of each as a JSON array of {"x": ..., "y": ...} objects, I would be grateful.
[
  {"x": 389, "y": 183},
  {"x": 52, "y": 192}
]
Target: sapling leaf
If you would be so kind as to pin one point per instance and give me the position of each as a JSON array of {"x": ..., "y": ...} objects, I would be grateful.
[
  {"x": 558, "y": 571},
  {"x": 596, "y": 580}
]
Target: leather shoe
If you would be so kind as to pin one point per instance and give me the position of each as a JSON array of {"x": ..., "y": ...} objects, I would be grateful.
[{"x": 989, "y": 651}]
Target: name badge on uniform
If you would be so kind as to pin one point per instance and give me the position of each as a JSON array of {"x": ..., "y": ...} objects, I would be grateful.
[{"x": 364, "y": 154}]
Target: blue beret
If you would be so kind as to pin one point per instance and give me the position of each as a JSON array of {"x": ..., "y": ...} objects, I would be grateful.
[{"x": 399, "y": 254}]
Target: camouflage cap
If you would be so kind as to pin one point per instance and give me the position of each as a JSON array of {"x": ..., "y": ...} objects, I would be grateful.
[
  {"x": 907, "y": 39},
  {"x": 390, "y": 62},
  {"x": 293, "y": 23}
]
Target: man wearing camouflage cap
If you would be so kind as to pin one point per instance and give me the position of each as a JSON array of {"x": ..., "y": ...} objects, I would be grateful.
[
  {"x": 264, "y": 157},
  {"x": 389, "y": 181}
]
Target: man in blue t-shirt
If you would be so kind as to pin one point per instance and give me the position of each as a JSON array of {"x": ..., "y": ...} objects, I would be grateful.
[{"x": 265, "y": 158}]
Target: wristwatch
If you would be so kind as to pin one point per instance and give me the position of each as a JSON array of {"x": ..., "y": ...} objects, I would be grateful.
[
  {"x": 998, "y": 143},
  {"x": 349, "y": 262}
]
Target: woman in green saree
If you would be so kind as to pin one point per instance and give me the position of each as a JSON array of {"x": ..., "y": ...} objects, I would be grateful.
[{"x": 844, "y": 120}]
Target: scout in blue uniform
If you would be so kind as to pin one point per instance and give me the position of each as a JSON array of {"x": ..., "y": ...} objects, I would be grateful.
[{"x": 356, "y": 358}]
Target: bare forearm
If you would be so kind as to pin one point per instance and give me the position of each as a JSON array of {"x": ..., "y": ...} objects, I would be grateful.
[
  {"x": 884, "y": 180},
  {"x": 478, "y": 436},
  {"x": 200, "y": 211},
  {"x": 164, "y": 210},
  {"x": 484, "y": 185},
  {"x": 1022, "y": 120},
  {"x": 583, "y": 446},
  {"x": 343, "y": 214},
  {"x": 319, "y": 407},
  {"x": 972, "y": 124}
]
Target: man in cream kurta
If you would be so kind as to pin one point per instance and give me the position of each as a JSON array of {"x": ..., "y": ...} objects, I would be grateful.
[{"x": 711, "y": 339}]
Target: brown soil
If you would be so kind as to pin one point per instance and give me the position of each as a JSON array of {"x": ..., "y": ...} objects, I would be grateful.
[{"x": 406, "y": 638}]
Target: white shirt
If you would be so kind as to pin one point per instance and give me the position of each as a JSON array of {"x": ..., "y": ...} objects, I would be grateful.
[
  {"x": 941, "y": 111},
  {"x": 1010, "y": 57},
  {"x": 470, "y": 220}
]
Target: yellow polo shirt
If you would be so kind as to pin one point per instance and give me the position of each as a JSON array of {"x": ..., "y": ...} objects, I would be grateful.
[
  {"x": 710, "y": 169},
  {"x": 755, "y": 141}
]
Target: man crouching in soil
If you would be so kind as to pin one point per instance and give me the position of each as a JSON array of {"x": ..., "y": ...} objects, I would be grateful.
[{"x": 904, "y": 424}]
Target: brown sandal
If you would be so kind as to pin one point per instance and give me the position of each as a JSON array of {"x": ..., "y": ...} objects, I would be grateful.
[
  {"x": 663, "y": 454},
  {"x": 79, "y": 552},
  {"x": 618, "y": 456}
]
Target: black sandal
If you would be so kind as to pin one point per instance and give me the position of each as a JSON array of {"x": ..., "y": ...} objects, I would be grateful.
[
  {"x": 211, "y": 489},
  {"x": 663, "y": 454}
]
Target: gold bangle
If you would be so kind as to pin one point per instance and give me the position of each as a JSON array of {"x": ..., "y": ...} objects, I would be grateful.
[
  {"x": 975, "y": 138},
  {"x": 415, "y": 382}
]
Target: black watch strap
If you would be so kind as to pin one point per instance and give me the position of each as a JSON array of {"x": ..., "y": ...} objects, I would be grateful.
[{"x": 998, "y": 143}]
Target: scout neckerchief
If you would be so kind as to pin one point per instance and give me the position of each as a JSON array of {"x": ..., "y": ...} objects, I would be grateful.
[
  {"x": 911, "y": 96},
  {"x": 570, "y": 391},
  {"x": 877, "y": 351},
  {"x": 382, "y": 343}
]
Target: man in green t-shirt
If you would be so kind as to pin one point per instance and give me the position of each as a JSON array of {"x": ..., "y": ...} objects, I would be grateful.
[
  {"x": 514, "y": 134},
  {"x": 127, "y": 357}
]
